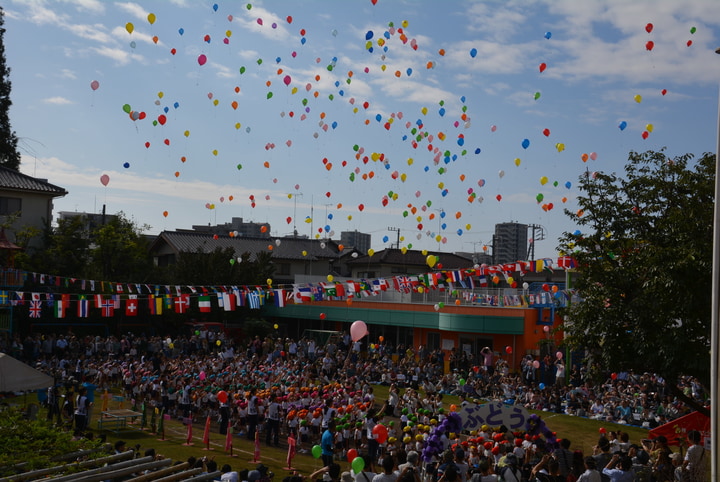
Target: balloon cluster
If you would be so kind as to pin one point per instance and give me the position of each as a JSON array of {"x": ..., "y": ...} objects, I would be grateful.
[{"x": 433, "y": 444}]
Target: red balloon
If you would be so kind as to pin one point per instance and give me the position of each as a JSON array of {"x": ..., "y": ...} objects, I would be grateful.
[
  {"x": 351, "y": 454},
  {"x": 613, "y": 376},
  {"x": 649, "y": 28},
  {"x": 202, "y": 58},
  {"x": 649, "y": 45},
  {"x": 546, "y": 132},
  {"x": 542, "y": 67},
  {"x": 663, "y": 92},
  {"x": 94, "y": 85},
  {"x": 546, "y": 287},
  {"x": 645, "y": 134},
  {"x": 380, "y": 432},
  {"x": 104, "y": 179},
  {"x": 323, "y": 316},
  {"x": 222, "y": 396},
  {"x": 508, "y": 349}
]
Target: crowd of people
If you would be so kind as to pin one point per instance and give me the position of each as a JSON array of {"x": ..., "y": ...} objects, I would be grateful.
[{"x": 322, "y": 395}]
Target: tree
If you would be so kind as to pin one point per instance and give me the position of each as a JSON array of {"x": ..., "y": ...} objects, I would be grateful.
[
  {"x": 119, "y": 252},
  {"x": 9, "y": 155},
  {"x": 644, "y": 267}
]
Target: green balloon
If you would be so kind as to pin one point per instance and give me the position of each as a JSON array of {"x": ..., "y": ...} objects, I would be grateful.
[
  {"x": 358, "y": 464},
  {"x": 242, "y": 70},
  {"x": 537, "y": 95},
  {"x": 239, "y": 166},
  {"x": 461, "y": 382},
  {"x": 316, "y": 451},
  {"x": 127, "y": 108},
  {"x": 269, "y": 95},
  {"x": 259, "y": 61}
]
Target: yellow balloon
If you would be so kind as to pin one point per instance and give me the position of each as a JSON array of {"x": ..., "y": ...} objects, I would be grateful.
[
  {"x": 420, "y": 289},
  {"x": 129, "y": 27},
  {"x": 468, "y": 227},
  {"x": 424, "y": 252},
  {"x": 269, "y": 281},
  {"x": 215, "y": 152},
  {"x": 218, "y": 343},
  {"x": 438, "y": 238},
  {"x": 290, "y": 196},
  {"x": 160, "y": 95},
  {"x": 424, "y": 110},
  {"x": 330, "y": 278},
  {"x": 238, "y": 125},
  {"x": 228, "y": 33},
  {"x": 276, "y": 326},
  {"x": 294, "y": 90},
  {"x": 431, "y": 260},
  {"x": 517, "y": 161},
  {"x": 543, "y": 180},
  {"x": 560, "y": 146},
  {"x": 649, "y": 127},
  {"x": 187, "y": 133},
  {"x": 410, "y": 161},
  {"x": 216, "y": 102},
  {"x": 403, "y": 250},
  {"x": 441, "y": 185},
  {"x": 418, "y": 219},
  {"x": 304, "y": 253},
  {"x": 371, "y": 252},
  {"x": 405, "y": 23},
  {"x": 638, "y": 98},
  {"x": 383, "y": 67},
  {"x": 151, "y": 18}
]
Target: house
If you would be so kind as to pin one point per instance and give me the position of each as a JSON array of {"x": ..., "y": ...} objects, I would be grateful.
[
  {"x": 291, "y": 256},
  {"x": 30, "y": 198}
]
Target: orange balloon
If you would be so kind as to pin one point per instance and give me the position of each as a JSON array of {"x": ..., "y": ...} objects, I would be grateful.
[
  {"x": 165, "y": 213},
  {"x": 441, "y": 51}
]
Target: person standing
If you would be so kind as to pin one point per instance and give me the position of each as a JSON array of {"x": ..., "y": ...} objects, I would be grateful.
[
  {"x": 327, "y": 444},
  {"x": 487, "y": 354},
  {"x": 224, "y": 416},
  {"x": 81, "y": 409},
  {"x": 694, "y": 465},
  {"x": 273, "y": 423},
  {"x": 252, "y": 414}
]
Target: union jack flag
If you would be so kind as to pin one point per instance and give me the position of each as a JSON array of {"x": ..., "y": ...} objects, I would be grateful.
[{"x": 35, "y": 309}]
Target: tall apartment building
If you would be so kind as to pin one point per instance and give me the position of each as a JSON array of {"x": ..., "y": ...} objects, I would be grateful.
[{"x": 510, "y": 242}]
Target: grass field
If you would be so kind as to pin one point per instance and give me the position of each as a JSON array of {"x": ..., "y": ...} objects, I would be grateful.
[{"x": 582, "y": 432}]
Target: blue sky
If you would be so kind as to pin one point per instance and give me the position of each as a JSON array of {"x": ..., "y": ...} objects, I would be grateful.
[{"x": 466, "y": 117}]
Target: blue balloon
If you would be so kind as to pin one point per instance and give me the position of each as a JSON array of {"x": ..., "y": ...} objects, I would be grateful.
[
  {"x": 378, "y": 117},
  {"x": 461, "y": 141},
  {"x": 341, "y": 93},
  {"x": 409, "y": 72},
  {"x": 327, "y": 228},
  {"x": 478, "y": 150},
  {"x": 426, "y": 169},
  {"x": 443, "y": 226},
  {"x": 334, "y": 60},
  {"x": 459, "y": 232},
  {"x": 418, "y": 122},
  {"x": 568, "y": 184},
  {"x": 525, "y": 143},
  {"x": 385, "y": 239},
  {"x": 303, "y": 40},
  {"x": 622, "y": 125},
  {"x": 577, "y": 232},
  {"x": 442, "y": 111},
  {"x": 404, "y": 138},
  {"x": 541, "y": 386},
  {"x": 334, "y": 124},
  {"x": 385, "y": 49},
  {"x": 548, "y": 35},
  {"x": 454, "y": 157},
  {"x": 337, "y": 83},
  {"x": 442, "y": 214},
  {"x": 166, "y": 109},
  {"x": 473, "y": 52},
  {"x": 446, "y": 159},
  {"x": 386, "y": 34},
  {"x": 126, "y": 165},
  {"x": 369, "y": 35},
  {"x": 215, "y": 7},
  {"x": 176, "y": 104},
  {"x": 387, "y": 166},
  {"x": 330, "y": 216},
  {"x": 371, "y": 50},
  {"x": 277, "y": 60},
  {"x": 181, "y": 31},
  {"x": 462, "y": 99}
]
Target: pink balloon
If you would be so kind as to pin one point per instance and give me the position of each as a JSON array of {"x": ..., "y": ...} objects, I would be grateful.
[
  {"x": 358, "y": 330},
  {"x": 593, "y": 155},
  {"x": 559, "y": 355},
  {"x": 202, "y": 59},
  {"x": 94, "y": 85},
  {"x": 287, "y": 80},
  {"x": 104, "y": 179},
  {"x": 493, "y": 128},
  {"x": 259, "y": 21}
]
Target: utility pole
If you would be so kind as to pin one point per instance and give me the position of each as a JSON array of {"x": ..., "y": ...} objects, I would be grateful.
[
  {"x": 295, "y": 196},
  {"x": 537, "y": 233},
  {"x": 392, "y": 228}
]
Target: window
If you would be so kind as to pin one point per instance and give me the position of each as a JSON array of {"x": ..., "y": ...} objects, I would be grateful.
[
  {"x": 433, "y": 341},
  {"x": 10, "y": 205}
]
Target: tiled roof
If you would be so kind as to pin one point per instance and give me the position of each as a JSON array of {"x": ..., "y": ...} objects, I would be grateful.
[
  {"x": 282, "y": 248},
  {"x": 17, "y": 181},
  {"x": 413, "y": 258}
]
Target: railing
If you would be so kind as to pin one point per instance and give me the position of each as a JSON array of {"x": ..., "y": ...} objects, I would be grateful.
[{"x": 12, "y": 278}]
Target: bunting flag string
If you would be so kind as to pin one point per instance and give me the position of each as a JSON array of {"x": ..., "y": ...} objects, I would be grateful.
[{"x": 128, "y": 298}]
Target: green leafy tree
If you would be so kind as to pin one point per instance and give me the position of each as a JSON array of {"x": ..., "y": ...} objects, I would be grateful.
[
  {"x": 9, "y": 155},
  {"x": 119, "y": 251},
  {"x": 66, "y": 249},
  {"x": 644, "y": 254}
]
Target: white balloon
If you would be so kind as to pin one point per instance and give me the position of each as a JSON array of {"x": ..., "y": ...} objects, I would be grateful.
[{"x": 501, "y": 173}]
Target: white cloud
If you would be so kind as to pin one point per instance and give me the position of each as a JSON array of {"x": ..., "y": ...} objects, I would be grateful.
[
  {"x": 57, "y": 100},
  {"x": 122, "y": 57},
  {"x": 133, "y": 9}
]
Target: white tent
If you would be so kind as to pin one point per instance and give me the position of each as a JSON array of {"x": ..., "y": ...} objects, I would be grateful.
[{"x": 16, "y": 376}]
